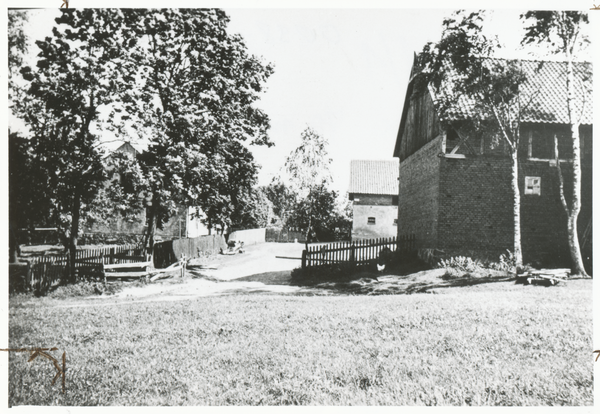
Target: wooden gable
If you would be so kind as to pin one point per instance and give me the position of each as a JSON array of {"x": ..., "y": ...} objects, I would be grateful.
[{"x": 420, "y": 124}]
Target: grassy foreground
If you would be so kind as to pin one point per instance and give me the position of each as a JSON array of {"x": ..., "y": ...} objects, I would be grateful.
[{"x": 497, "y": 344}]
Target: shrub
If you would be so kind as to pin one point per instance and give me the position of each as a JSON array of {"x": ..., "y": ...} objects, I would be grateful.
[
  {"x": 506, "y": 263},
  {"x": 460, "y": 265},
  {"x": 85, "y": 288}
]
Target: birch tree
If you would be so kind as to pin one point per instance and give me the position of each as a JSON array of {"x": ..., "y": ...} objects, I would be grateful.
[
  {"x": 564, "y": 32},
  {"x": 308, "y": 170},
  {"x": 461, "y": 69}
]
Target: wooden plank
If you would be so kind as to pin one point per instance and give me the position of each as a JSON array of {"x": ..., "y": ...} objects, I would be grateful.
[
  {"x": 124, "y": 256},
  {"x": 125, "y": 274},
  {"x": 126, "y": 265},
  {"x": 550, "y": 272}
]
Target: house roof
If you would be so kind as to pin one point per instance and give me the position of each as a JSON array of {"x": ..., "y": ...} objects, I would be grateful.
[
  {"x": 125, "y": 148},
  {"x": 544, "y": 94},
  {"x": 374, "y": 176}
]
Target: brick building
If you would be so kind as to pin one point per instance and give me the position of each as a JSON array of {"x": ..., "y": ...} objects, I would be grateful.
[
  {"x": 374, "y": 192},
  {"x": 455, "y": 191}
]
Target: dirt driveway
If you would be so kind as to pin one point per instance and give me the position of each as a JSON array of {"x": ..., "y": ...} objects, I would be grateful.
[
  {"x": 258, "y": 259},
  {"x": 258, "y": 269}
]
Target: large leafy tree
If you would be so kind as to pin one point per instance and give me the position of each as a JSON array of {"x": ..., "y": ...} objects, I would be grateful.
[
  {"x": 283, "y": 200},
  {"x": 255, "y": 212},
  {"x": 462, "y": 71},
  {"x": 18, "y": 145},
  {"x": 80, "y": 69},
  {"x": 322, "y": 214},
  {"x": 564, "y": 32},
  {"x": 122, "y": 195},
  {"x": 19, "y": 190},
  {"x": 195, "y": 103},
  {"x": 228, "y": 186},
  {"x": 17, "y": 45}
]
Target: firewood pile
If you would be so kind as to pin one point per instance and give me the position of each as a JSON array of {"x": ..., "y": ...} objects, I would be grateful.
[{"x": 546, "y": 277}]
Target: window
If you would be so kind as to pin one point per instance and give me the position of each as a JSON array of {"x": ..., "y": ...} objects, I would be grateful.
[
  {"x": 371, "y": 220},
  {"x": 395, "y": 222},
  {"x": 541, "y": 144},
  {"x": 533, "y": 185},
  {"x": 394, "y": 200}
]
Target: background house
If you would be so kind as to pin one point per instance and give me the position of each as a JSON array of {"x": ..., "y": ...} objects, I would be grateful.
[
  {"x": 185, "y": 223},
  {"x": 455, "y": 194},
  {"x": 374, "y": 192}
]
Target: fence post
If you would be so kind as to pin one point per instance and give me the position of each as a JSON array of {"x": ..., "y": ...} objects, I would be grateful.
[{"x": 303, "y": 259}]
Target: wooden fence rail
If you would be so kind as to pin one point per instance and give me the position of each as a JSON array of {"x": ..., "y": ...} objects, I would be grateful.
[
  {"x": 47, "y": 271},
  {"x": 359, "y": 253}
]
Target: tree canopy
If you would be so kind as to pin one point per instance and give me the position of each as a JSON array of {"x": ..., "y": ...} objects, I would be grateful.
[
  {"x": 195, "y": 102},
  {"x": 178, "y": 79}
]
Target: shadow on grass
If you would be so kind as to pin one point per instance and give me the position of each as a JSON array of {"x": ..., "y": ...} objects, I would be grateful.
[
  {"x": 408, "y": 277},
  {"x": 465, "y": 281},
  {"x": 282, "y": 277}
]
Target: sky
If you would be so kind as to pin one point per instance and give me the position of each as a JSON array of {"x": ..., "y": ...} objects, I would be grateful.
[
  {"x": 344, "y": 72},
  {"x": 341, "y": 71}
]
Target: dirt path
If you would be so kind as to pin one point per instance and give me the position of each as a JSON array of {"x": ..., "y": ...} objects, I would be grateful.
[
  {"x": 258, "y": 269},
  {"x": 257, "y": 259}
]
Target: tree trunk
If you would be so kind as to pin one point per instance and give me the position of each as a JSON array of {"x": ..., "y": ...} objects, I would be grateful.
[
  {"x": 577, "y": 267},
  {"x": 310, "y": 202},
  {"x": 14, "y": 249},
  {"x": 150, "y": 230},
  {"x": 518, "y": 254},
  {"x": 74, "y": 232}
]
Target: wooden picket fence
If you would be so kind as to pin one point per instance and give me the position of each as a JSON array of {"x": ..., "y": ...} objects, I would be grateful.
[
  {"x": 46, "y": 271},
  {"x": 359, "y": 253}
]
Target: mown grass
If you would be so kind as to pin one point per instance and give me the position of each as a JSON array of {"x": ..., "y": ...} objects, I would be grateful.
[{"x": 497, "y": 344}]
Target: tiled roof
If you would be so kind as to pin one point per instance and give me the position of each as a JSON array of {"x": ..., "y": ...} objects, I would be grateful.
[
  {"x": 545, "y": 94},
  {"x": 374, "y": 176}
]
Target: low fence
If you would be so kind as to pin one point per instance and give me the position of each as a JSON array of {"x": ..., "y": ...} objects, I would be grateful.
[
  {"x": 284, "y": 236},
  {"x": 359, "y": 253},
  {"x": 249, "y": 237},
  {"x": 43, "y": 272},
  {"x": 169, "y": 252}
]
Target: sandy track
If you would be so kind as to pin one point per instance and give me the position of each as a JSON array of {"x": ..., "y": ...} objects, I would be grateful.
[{"x": 257, "y": 260}]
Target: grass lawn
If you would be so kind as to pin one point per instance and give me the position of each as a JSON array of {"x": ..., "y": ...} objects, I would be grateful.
[{"x": 490, "y": 344}]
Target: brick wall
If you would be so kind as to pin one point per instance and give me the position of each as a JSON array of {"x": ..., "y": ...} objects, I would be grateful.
[
  {"x": 419, "y": 194},
  {"x": 475, "y": 210},
  {"x": 475, "y": 207},
  {"x": 543, "y": 220}
]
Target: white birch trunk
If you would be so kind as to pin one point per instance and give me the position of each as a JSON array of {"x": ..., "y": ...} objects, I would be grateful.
[
  {"x": 518, "y": 254},
  {"x": 573, "y": 212}
]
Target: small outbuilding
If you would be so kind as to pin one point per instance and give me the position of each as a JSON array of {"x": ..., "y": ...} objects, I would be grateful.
[{"x": 374, "y": 193}]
